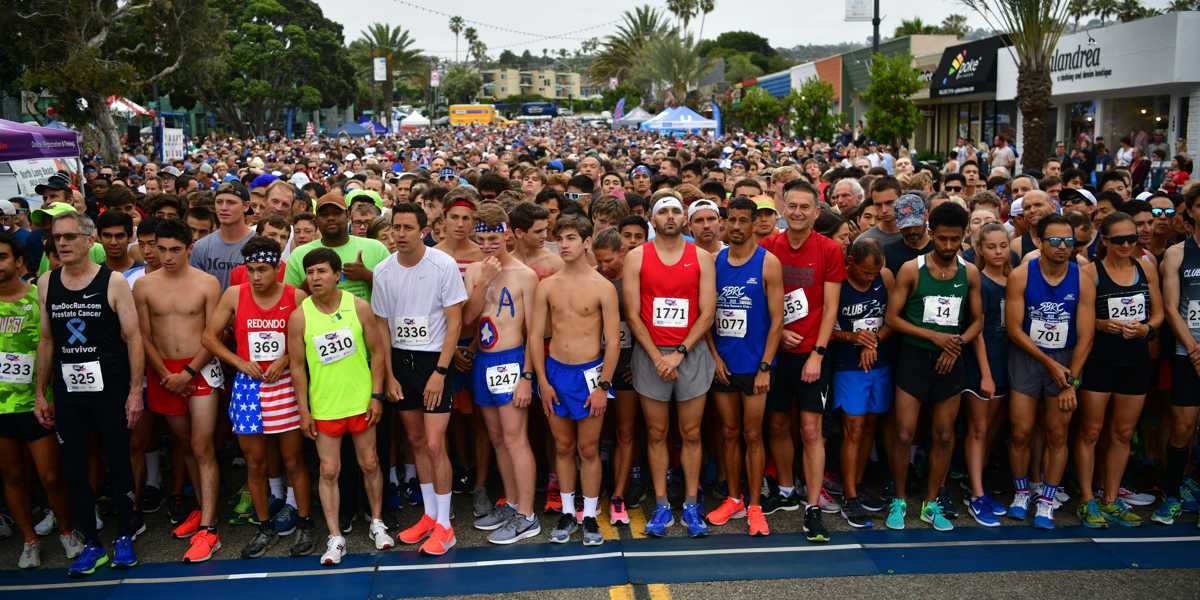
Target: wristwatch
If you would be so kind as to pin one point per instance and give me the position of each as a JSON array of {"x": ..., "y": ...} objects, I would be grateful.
[
  {"x": 440, "y": 370},
  {"x": 682, "y": 349},
  {"x": 527, "y": 375},
  {"x": 764, "y": 366},
  {"x": 377, "y": 396},
  {"x": 604, "y": 385},
  {"x": 820, "y": 350}
]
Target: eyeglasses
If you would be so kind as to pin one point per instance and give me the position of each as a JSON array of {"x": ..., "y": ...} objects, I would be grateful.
[
  {"x": 1059, "y": 242},
  {"x": 1161, "y": 212},
  {"x": 1122, "y": 240},
  {"x": 66, "y": 237}
]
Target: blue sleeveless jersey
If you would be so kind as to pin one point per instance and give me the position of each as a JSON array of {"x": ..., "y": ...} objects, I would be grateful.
[
  {"x": 859, "y": 310},
  {"x": 743, "y": 318},
  {"x": 1050, "y": 310}
]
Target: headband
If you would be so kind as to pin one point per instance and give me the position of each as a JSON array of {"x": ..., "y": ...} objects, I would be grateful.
[
  {"x": 264, "y": 256},
  {"x": 667, "y": 202},
  {"x": 461, "y": 202},
  {"x": 482, "y": 227}
]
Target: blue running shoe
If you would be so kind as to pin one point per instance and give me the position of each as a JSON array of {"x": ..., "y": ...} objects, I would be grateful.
[
  {"x": 285, "y": 520},
  {"x": 123, "y": 555},
  {"x": 896, "y": 512},
  {"x": 1187, "y": 496},
  {"x": 660, "y": 521},
  {"x": 412, "y": 492},
  {"x": 997, "y": 509},
  {"x": 1168, "y": 512},
  {"x": 695, "y": 523},
  {"x": 981, "y": 510},
  {"x": 93, "y": 557},
  {"x": 1044, "y": 518}
]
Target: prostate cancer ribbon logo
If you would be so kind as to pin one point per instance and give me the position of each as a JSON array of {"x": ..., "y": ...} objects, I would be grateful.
[{"x": 75, "y": 327}]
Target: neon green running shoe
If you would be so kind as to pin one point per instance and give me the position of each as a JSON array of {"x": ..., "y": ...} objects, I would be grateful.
[
  {"x": 243, "y": 508},
  {"x": 1090, "y": 515},
  {"x": 931, "y": 512},
  {"x": 1120, "y": 513}
]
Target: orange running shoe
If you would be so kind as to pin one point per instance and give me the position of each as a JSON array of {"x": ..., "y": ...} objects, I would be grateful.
[
  {"x": 188, "y": 527},
  {"x": 420, "y": 531},
  {"x": 203, "y": 547},
  {"x": 756, "y": 521},
  {"x": 729, "y": 509},
  {"x": 440, "y": 541}
]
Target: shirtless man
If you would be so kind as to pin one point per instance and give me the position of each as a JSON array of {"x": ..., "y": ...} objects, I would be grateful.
[
  {"x": 530, "y": 226},
  {"x": 574, "y": 381},
  {"x": 172, "y": 305},
  {"x": 500, "y": 293}
]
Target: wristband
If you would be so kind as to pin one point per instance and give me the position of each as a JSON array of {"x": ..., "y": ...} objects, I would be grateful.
[
  {"x": 440, "y": 370},
  {"x": 190, "y": 370}
]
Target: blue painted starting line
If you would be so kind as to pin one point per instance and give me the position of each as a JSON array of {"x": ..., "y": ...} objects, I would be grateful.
[{"x": 490, "y": 570}]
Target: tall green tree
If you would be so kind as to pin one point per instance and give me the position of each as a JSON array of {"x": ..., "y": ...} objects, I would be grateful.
[
  {"x": 620, "y": 51},
  {"x": 1132, "y": 10},
  {"x": 461, "y": 84},
  {"x": 758, "y": 110},
  {"x": 1104, "y": 9},
  {"x": 704, "y": 7},
  {"x": 684, "y": 11},
  {"x": 891, "y": 116},
  {"x": 739, "y": 68},
  {"x": 914, "y": 26},
  {"x": 1034, "y": 26},
  {"x": 955, "y": 25},
  {"x": 672, "y": 64},
  {"x": 396, "y": 46},
  {"x": 89, "y": 51},
  {"x": 1078, "y": 9},
  {"x": 810, "y": 110},
  {"x": 456, "y": 27}
]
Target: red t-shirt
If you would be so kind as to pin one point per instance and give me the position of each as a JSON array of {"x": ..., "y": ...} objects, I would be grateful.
[
  {"x": 238, "y": 275},
  {"x": 817, "y": 261}
]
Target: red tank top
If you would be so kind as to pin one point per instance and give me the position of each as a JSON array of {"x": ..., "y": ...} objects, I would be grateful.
[
  {"x": 670, "y": 295},
  {"x": 262, "y": 332}
]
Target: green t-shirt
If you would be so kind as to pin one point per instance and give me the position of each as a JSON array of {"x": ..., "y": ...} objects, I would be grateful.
[
  {"x": 19, "y": 334},
  {"x": 373, "y": 253},
  {"x": 96, "y": 253}
]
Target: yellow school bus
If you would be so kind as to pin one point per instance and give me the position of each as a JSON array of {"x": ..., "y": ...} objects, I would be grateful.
[{"x": 467, "y": 114}]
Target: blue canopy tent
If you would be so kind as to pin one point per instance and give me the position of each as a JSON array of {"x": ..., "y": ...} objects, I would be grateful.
[
  {"x": 352, "y": 130},
  {"x": 679, "y": 120},
  {"x": 379, "y": 129}
]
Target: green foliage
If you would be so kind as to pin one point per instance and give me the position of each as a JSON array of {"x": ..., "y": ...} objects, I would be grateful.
[
  {"x": 758, "y": 110},
  {"x": 891, "y": 117},
  {"x": 741, "y": 41},
  {"x": 620, "y": 52},
  {"x": 740, "y": 47},
  {"x": 811, "y": 110},
  {"x": 739, "y": 68},
  {"x": 461, "y": 84},
  {"x": 672, "y": 64},
  {"x": 631, "y": 94},
  {"x": 915, "y": 26}
]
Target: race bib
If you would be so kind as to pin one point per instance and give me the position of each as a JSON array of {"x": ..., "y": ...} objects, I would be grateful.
[
  {"x": 334, "y": 346},
  {"x": 626, "y": 336},
  {"x": 1049, "y": 335},
  {"x": 411, "y": 331},
  {"x": 502, "y": 379},
  {"x": 266, "y": 346},
  {"x": 1127, "y": 308},
  {"x": 16, "y": 368},
  {"x": 795, "y": 306},
  {"x": 871, "y": 323},
  {"x": 213, "y": 374},
  {"x": 1193, "y": 314},
  {"x": 670, "y": 312},
  {"x": 83, "y": 377},
  {"x": 942, "y": 310},
  {"x": 592, "y": 378},
  {"x": 731, "y": 322}
]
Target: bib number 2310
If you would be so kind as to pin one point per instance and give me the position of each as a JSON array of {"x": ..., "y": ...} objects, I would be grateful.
[{"x": 334, "y": 346}]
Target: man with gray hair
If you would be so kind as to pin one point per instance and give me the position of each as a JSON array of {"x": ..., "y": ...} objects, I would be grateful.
[{"x": 847, "y": 194}]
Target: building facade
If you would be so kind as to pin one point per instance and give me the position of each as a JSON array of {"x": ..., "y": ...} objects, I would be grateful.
[{"x": 547, "y": 83}]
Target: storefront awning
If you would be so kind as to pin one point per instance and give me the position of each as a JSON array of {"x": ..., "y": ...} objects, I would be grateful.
[{"x": 967, "y": 69}]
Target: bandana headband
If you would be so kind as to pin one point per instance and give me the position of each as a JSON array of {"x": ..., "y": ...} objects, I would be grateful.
[
  {"x": 264, "y": 256},
  {"x": 484, "y": 228}
]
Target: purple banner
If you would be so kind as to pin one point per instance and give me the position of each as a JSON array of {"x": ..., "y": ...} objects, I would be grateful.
[{"x": 19, "y": 142}]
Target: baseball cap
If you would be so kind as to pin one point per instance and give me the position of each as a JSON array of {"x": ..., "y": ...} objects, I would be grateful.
[
  {"x": 1017, "y": 208},
  {"x": 172, "y": 171},
  {"x": 1145, "y": 196},
  {"x": 364, "y": 196},
  {"x": 910, "y": 211},
  {"x": 234, "y": 187},
  {"x": 256, "y": 162},
  {"x": 447, "y": 172},
  {"x": 764, "y": 202},
  {"x": 1069, "y": 195},
  {"x": 7, "y": 208},
  {"x": 263, "y": 180},
  {"x": 640, "y": 170},
  {"x": 556, "y": 165},
  {"x": 700, "y": 205},
  {"x": 39, "y": 216},
  {"x": 350, "y": 157},
  {"x": 57, "y": 181},
  {"x": 333, "y": 198}
]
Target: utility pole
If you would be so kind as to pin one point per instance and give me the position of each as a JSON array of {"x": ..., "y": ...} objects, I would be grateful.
[{"x": 875, "y": 26}]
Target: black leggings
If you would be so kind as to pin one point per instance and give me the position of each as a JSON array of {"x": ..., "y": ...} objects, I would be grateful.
[{"x": 76, "y": 417}]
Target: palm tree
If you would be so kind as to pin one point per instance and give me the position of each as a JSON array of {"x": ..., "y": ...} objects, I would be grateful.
[
  {"x": 1183, "y": 5},
  {"x": 1104, "y": 9},
  {"x": 1034, "y": 27},
  {"x": 1078, "y": 10},
  {"x": 1132, "y": 10},
  {"x": 705, "y": 6},
  {"x": 684, "y": 11},
  {"x": 620, "y": 51},
  {"x": 672, "y": 63},
  {"x": 915, "y": 26},
  {"x": 395, "y": 45},
  {"x": 955, "y": 25},
  {"x": 456, "y": 27}
]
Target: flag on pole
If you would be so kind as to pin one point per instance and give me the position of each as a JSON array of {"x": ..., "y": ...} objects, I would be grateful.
[
  {"x": 619, "y": 111},
  {"x": 310, "y": 130},
  {"x": 716, "y": 110}
]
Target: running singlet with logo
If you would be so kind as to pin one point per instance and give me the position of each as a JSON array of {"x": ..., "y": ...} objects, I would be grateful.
[
  {"x": 262, "y": 338},
  {"x": 806, "y": 270},
  {"x": 857, "y": 311},
  {"x": 935, "y": 304},
  {"x": 339, "y": 372},
  {"x": 1121, "y": 303},
  {"x": 1050, "y": 309},
  {"x": 743, "y": 318},
  {"x": 90, "y": 356},
  {"x": 262, "y": 332},
  {"x": 1189, "y": 291},
  {"x": 670, "y": 295},
  {"x": 19, "y": 333}
]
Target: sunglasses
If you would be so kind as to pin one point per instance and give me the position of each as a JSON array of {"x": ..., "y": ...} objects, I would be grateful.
[
  {"x": 953, "y": 188},
  {"x": 574, "y": 195},
  {"x": 1059, "y": 242},
  {"x": 1160, "y": 212},
  {"x": 1122, "y": 240}
]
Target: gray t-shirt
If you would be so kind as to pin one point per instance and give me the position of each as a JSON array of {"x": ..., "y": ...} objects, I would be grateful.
[
  {"x": 215, "y": 256},
  {"x": 882, "y": 237}
]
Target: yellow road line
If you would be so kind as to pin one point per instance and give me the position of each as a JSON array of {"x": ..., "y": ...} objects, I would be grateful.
[
  {"x": 620, "y": 592},
  {"x": 637, "y": 522},
  {"x": 606, "y": 528},
  {"x": 659, "y": 591}
]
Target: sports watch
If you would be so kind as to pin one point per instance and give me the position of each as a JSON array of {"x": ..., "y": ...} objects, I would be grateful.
[
  {"x": 527, "y": 375},
  {"x": 604, "y": 385},
  {"x": 820, "y": 350},
  {"x": 682, "y": 349},
  {"x": 440, "y": 370},
  {"x": 764, "y": 366}
]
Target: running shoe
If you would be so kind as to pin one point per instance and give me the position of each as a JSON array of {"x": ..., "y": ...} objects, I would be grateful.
[
  {"x": 379, "y": 534},
  {"x": 419, "y": 531},
  {"x": 304, "y": 543},
  {"x": 440, "y": 541},
  {"x": 346, "y": 522},
  {"x": 696, "y": 527},
  {"x": 31, "y": 555},
  {"x": 756, "y": 522},
  {"x": 99, "y": 521},
  {"x": 152, "y": 499},
  {"x": 1133, "y": 498},
  {"x": 1169, "y": 511},
  {"x": 44, "y": 527},
  {"x": 946, "y": 499},
  {"x": 463, "y": 482},
  {"x": 855, "y": 515},
  {"x": 285, "y": 520},
  {"x": 1090, "y": 515},
  {"x": 813, "y": 528},
  {"x": 1119, "y": 512},
  {"x": 243, "y": 508},
  {"x": 204, "y": 546},
  {"x": 138, "y": 524},
  {"x": 731, "y": 508},
  {"x": 188, "y": 527},
  {"x": 496, "y": 518},
  {"x": 776, "y": 502},
  {"x": 1060, "y": 496},
  {"x": 871, "y": 502},
  {"x": 827, "y": 503},
  {"x": 1189, "y": 494},
  {"x": 412, "y": 492},
  {"x": 660, "y": 521},
  {"x": 896, "y": 513},
  {"x": 72, "y": 544},
  {"x": 635, "y": 489},
  {"x": 931, "y": 512},
  {"x": 1019, "y": 509},
  {"x": 93, "y": 557},
  {"x": 6, "y": 526},
  {"x": 263, "y": 539},
  {"x": 591, "y": 532},
  {"x": 997, "y": 508},
  {"x": 335, "y": 549},
  {"x": 832, "y": 483},
  {"x": 553, "y": 498},
  {"x": 617, "y": 513},
  {"x": 481, "y": 504},
  {"x": 1044, "y": 518},
  {"x": 981, "y": 510},
  {"x": 123, "y": 555},
  {"x": 518, "y": 528},
  {"x": 177, "y": 509},
  {"x": 562, "y": 531}
]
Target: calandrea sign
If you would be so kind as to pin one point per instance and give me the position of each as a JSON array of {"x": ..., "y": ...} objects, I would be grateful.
[{"x": 1082, "y": 63}]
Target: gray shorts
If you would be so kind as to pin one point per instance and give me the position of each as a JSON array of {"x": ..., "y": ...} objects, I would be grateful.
[
  {"x": 695, "y": 374},
  {"x": 1027, "y": 375}
]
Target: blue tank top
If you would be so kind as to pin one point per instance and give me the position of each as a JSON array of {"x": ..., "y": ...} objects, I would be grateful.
[
  {"x": 1050, "y": 309},
  {"x": 859, "y": 310},
  {"x": 743, "y": 318}
]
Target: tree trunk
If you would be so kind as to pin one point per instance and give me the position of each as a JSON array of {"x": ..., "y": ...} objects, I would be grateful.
[
  {"x": 110, "y": 137},
  {"x": 1033, "y": 99}
]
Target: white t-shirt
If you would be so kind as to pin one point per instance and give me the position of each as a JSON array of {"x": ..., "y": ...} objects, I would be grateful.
[{"x": 412, "y": 299}]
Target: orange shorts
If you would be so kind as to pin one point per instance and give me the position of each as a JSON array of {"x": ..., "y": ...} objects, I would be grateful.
[
  {"x": 338, "y": 427},
  {"x": 162, "y": 401}
]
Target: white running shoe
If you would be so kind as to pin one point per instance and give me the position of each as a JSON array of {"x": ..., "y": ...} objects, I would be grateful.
[
  {"x": 6, "y": 523},
  {"x": 72, "y": 544},
  {"x": 335, "y": 549},
  {"x": 827, "y": 504},
  {"x": 47, "y": 525},
  {"x": 31, "y": 555},
  {"x": 99, "y": 521},
  {"x": 379, "y": 534},
  {"x": 1133, "y": 498}
]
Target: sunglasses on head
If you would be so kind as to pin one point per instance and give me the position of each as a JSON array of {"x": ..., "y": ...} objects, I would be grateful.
[
  {"x": 1161, "y": 212},
  {"x": 1122, "y": 240},
  {"x": 1059, "y": 242}
]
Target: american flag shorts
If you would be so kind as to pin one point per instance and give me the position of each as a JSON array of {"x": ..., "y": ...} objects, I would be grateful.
[{"x": 257, "y": 407}]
